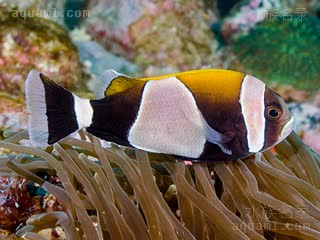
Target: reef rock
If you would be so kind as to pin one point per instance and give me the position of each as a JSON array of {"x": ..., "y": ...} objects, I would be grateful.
[
  {"x": 290, "y": 94},
  {"x": 18, "y": 202},
  {"x": 13, "y": 114},
  {"x": 283, "y": 51},
  {"x": 98, "y": 59},
  {"x": 53, "y": 10},
  {"x": 246, "y": 14},
  {"x": 162, "y": 33},
  {"x": 28, "y": 42},
  {"x": 307, "y": 123}
]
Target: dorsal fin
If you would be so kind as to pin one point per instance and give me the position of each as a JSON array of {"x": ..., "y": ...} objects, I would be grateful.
[
  {"x": 120, "y": 84},
  {"x": 111, "y": 82},
  {"x": 104, "y": 81}
]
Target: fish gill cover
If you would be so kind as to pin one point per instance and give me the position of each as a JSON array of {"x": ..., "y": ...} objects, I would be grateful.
[{"x": 108, "y": 193}]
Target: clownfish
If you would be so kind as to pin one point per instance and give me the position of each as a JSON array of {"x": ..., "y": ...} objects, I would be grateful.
[{"x": 201, "y": 115}]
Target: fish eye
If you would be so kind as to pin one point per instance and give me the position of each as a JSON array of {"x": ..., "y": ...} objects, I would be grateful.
[{"x": 273, "y": 113}]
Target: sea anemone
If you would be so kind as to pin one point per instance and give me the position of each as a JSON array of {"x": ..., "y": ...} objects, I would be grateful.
[{"x": 113, "y": 193}]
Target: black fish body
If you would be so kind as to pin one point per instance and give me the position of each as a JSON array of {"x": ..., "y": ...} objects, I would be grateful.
[{"x": 204, "y": 115}]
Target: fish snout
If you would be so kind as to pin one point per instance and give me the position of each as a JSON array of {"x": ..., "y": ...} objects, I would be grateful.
[{"x": 287, "y": 129}]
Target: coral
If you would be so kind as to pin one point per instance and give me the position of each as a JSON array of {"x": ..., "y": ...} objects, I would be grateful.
[
  {"x": 273, "y": 195},
  {"x": 307, "y": 116},
  {"x": 53, "y": 10},
  {"x": 245, "y": 15},
  {"x": 230, "y": 59},
  {"x": 282, "y": 51},
  {"x": 28, "y": 42},
  {"x": 307, "y": 123},
  {"x": 109, "y": 24},
  {"x": 289, "y": 93},
  {"x": 16, "y": 205},
  {"x": 18, "y": 4},
  {"x": 166, "y": 34},
  {"x": 316, "y": 100},
  {"x": 97, "y": 59},
  {"x": 312, "y": 138},
  {"x": 18, "y": 201},
  {"x": 5, "y": 235},
  {"x": 223, "y": 7}
]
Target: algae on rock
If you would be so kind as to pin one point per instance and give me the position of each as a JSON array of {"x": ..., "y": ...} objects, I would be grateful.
[
  {"x": 157, "y": 35},
  {"x": 30, "y": 42},
  {"x": 283, "y": 51}
]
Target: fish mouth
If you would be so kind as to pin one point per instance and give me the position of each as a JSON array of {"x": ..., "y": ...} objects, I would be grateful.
[{"x": 287, "y": 129}]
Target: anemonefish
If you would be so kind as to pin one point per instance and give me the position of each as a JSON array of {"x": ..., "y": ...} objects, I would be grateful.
[{"x": 201, "y": 115}]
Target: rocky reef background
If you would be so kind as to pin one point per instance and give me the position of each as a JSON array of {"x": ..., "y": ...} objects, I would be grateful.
[{"x": 73, "y": 41}]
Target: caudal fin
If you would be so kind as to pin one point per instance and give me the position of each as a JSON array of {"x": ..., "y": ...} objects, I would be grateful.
[{"x": 54, "y": 112}]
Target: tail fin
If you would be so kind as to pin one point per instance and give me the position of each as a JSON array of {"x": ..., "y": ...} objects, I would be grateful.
[{"x": 54, "y": 112}]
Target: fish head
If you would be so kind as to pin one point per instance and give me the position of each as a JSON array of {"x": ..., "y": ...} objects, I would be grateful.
[
  {"x": 266, "y": 116},
  {"x": 279, "y": 122}
]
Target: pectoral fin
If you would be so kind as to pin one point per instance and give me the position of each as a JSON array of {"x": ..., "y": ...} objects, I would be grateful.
[
  {"x": 225, "y": 149},
  {"x": 218, "y": 138},
  {"x": 212, "y": 135}
]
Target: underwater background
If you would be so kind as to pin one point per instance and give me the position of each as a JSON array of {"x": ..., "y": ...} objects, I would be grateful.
[{"x": 75, "y": 183}]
